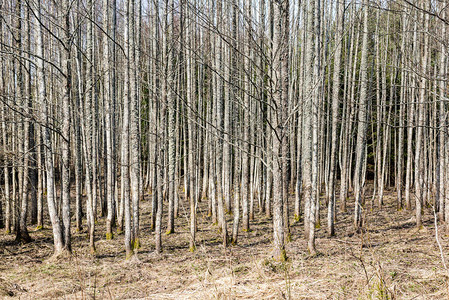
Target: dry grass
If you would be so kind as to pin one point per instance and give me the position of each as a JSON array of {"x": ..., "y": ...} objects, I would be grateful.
[{"x": 390, "y": 260}]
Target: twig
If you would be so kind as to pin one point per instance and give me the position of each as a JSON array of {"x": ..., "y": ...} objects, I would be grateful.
[
  {"x": 9, "y": 251},
  {"x": 438, "y": 240}
]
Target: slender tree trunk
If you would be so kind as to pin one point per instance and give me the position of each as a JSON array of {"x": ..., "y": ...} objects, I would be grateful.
[
  {"x": 419, "y": 155},
  {"x": 362, "y": 124},
  {"x": 40, "y": 179},
  {"x": 335, "y": 117},
  {"x": 42, "y": 98},
  {"x": 171, "y": 97},
  {"x": 134, "y": 130},
  {"x": 22, "y": 207},
  {"x": 280, "y": 100},
  {"x": 442, "y": 134},
  {"x": 89, "y": 132},
  {"x": 246, "y": 127},
  {"x": 109, "y": 124},
  {"x": 402, "y": 99},
  {"x": 3, "y": 217},
  {"x": 309, "y": 87},
  {"x": 78, "y": 135},
  {"x": 219, "y": 126},
  {"x": 411, "y": 115},
  {"x": 32, "y": 172},
  {"x": 66, "y": 117},
  {"x": 157, "y": 192},
  {"x": 125, "y": 155},
  {"x": 6, "y": 162},
  {"x": 191, "y": 103}
]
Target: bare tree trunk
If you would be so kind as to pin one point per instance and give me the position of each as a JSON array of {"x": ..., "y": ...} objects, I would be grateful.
[
  {"x": 6, "y": 162},
  {"x": 237, "y": 189},
  {"x": 171, "y": 97},
  {"x": 335, "y": 117},
  {"x": 134, "y": 126},
  {"x": 65, "y": 141},
  {"x": 191, "y": 126},
  {"x": 419, "y": 156},
  {"x": 313, "y": 217},
  {"x": 246, "y": 127},
  {"x": 109, "y": 124},
  {"x": 89, "y": 132},
  {"x": 158, "y": 178},
  {"x": 230, "y": 89},
  {"x": 3, "y": 217},
  {"x": 411, "y": 115},
  {"x": 219, "y": 126},
  {"x": 153, "y": 113},
  {"x": 280, "y": 99},
  {"x": 309, "y": 196},
  {"x": 443, "y": 191},
  {"x": 402, "y": 99},
  {"x": 20, "y": 226},
  {"x": 362, "y": 126},
  {"x": 78, "y": 135},
  {"x": 32, "y": 172},
  {"x": 42, "y": 98},
  {"x": 125, "y": 155},
  {"x": 40, "y": 179},
  {"x": 213, "y": 122}
]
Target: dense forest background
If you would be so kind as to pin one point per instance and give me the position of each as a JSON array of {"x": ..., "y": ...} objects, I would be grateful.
[{"x": 225, "y": 111}]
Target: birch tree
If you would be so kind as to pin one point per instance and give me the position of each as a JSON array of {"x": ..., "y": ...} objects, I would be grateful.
[{"x": 361, "y": 124}]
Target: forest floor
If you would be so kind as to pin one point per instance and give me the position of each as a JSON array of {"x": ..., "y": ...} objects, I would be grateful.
[{"x": 390, "y": 260}]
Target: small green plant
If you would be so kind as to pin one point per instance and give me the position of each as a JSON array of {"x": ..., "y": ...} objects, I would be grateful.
[
  {"x": 378, "y": 290},
  {"x": 393, "y": 274},
  {"x": 297, "y": 218}
]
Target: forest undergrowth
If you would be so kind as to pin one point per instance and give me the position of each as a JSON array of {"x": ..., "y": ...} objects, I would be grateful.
[{"x": 389, "y": 259}]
